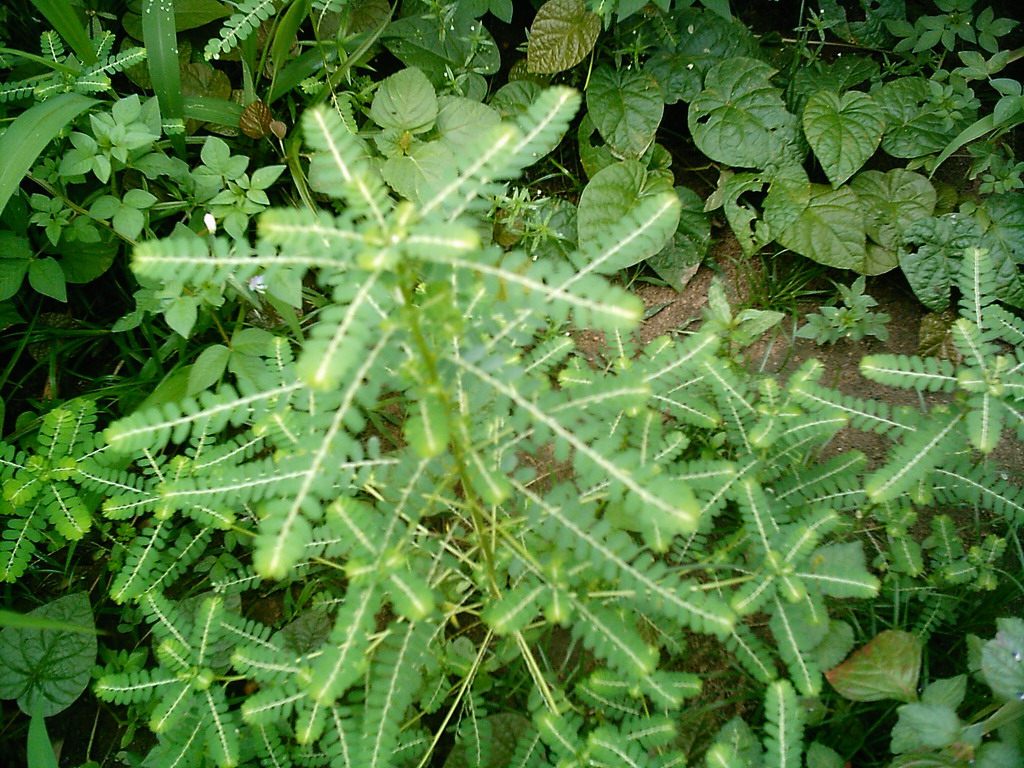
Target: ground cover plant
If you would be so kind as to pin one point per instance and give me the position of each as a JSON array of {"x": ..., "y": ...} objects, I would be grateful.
[{"x": 301, "y": 460}]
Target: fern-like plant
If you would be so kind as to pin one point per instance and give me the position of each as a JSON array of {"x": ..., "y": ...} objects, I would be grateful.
[{"x": 450, "y": 558}]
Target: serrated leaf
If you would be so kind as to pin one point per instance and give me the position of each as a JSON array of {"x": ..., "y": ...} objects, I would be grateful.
[
  {"x": 830, "y": 231},
  {"x": 886, "y": 668},
  {"x": 948, "y": 692},
  {"x": 405, "y": 102},
  {"x": 626, "y": 106},
  {"x": 47, "y": 669},
  {"x": 739, "y": 118},
  {"x": 844, "y": 130},
  {"x": 562, "y": 34}
]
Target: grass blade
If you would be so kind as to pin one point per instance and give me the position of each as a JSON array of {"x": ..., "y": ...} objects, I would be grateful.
[
  {"x": 29, "y": 134},
  {"x": 213, "y": 110},
  {"x": 161, "y": 39},
  {"x": 62, "y": 17}
]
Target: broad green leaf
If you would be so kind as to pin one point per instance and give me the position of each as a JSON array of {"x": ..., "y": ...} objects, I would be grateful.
[
  {"x": 405, "y": 102},
  {"x": 626, "y": 106},
  {"x": 460, "y": 120},
  {"x": 891, "y": 202},
  {"x": 419, "y": 174},
  {"x": 443, "y": 45},
  {"x": 886, "y": 668},
  {"x": 820, "y": 756},
  {"x": 830, "y": 231},
  {"x": 208, "y": 368},
  {"x": 1001, "y": 660},
  {"x": 843, "y": 130},
  {"x": 679, "y": 260},
  {"x": 47, "y": 669},
  {"x": 84, "y": 262},
  {"x": 925, "y": 726},
  {"x": 594, "y": 157},
  {"x": 614, "y": 193},
  {"x": 931, "y": 255},
  {"x": 838, "y": 75},
  {"x": 701, "y": 40},
  {"x": 514, "y": 99},
  {"x": 182, "y": 314},
  {"x": 948, "y": 692},
  {"x": 914, "y": 127},
  {"x": 1005, "y": 214},
  {"x": 750, "y": 230},
  {"x": 562, "y": 34},
  {"x": 30, "y": 132},
  {"x": 46, "y": 277},
  {"x": 15, "y": 258},
  {"x": 739, "y": 118}
]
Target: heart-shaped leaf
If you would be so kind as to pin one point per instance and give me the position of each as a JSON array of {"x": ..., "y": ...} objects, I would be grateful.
[
  {"x": 739, "y": 118},
  {"x": 891, "y": 202},
  {"x": 46, "y": 668},
  {"x": 562, "y": 34},
  {"x": 888, "y": 667},
  {"x": 843, "y": 130},
  {"x": 678, "y": 261},
  {"x": 626, "y": 107},
  {"x": 702, "y": 40},
  {"x": 914, "y": 127},
  {"x": 610, "y": 195},
  {"x": 830, "y": 231}
]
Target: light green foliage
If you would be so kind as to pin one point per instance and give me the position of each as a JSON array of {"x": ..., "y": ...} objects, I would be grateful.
[
  {"x": 854, "y": 320},
  {"x": 42, "y": 487},
  {"x": 417, "y": 511},
  {"x": 419, "y": 304},
  {"x": 247, "y": 17}
]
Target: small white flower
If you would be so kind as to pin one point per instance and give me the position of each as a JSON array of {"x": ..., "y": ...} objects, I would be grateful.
[
  {"x": 210, "y": 222},
  {"x": 257, "y": 284}
]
